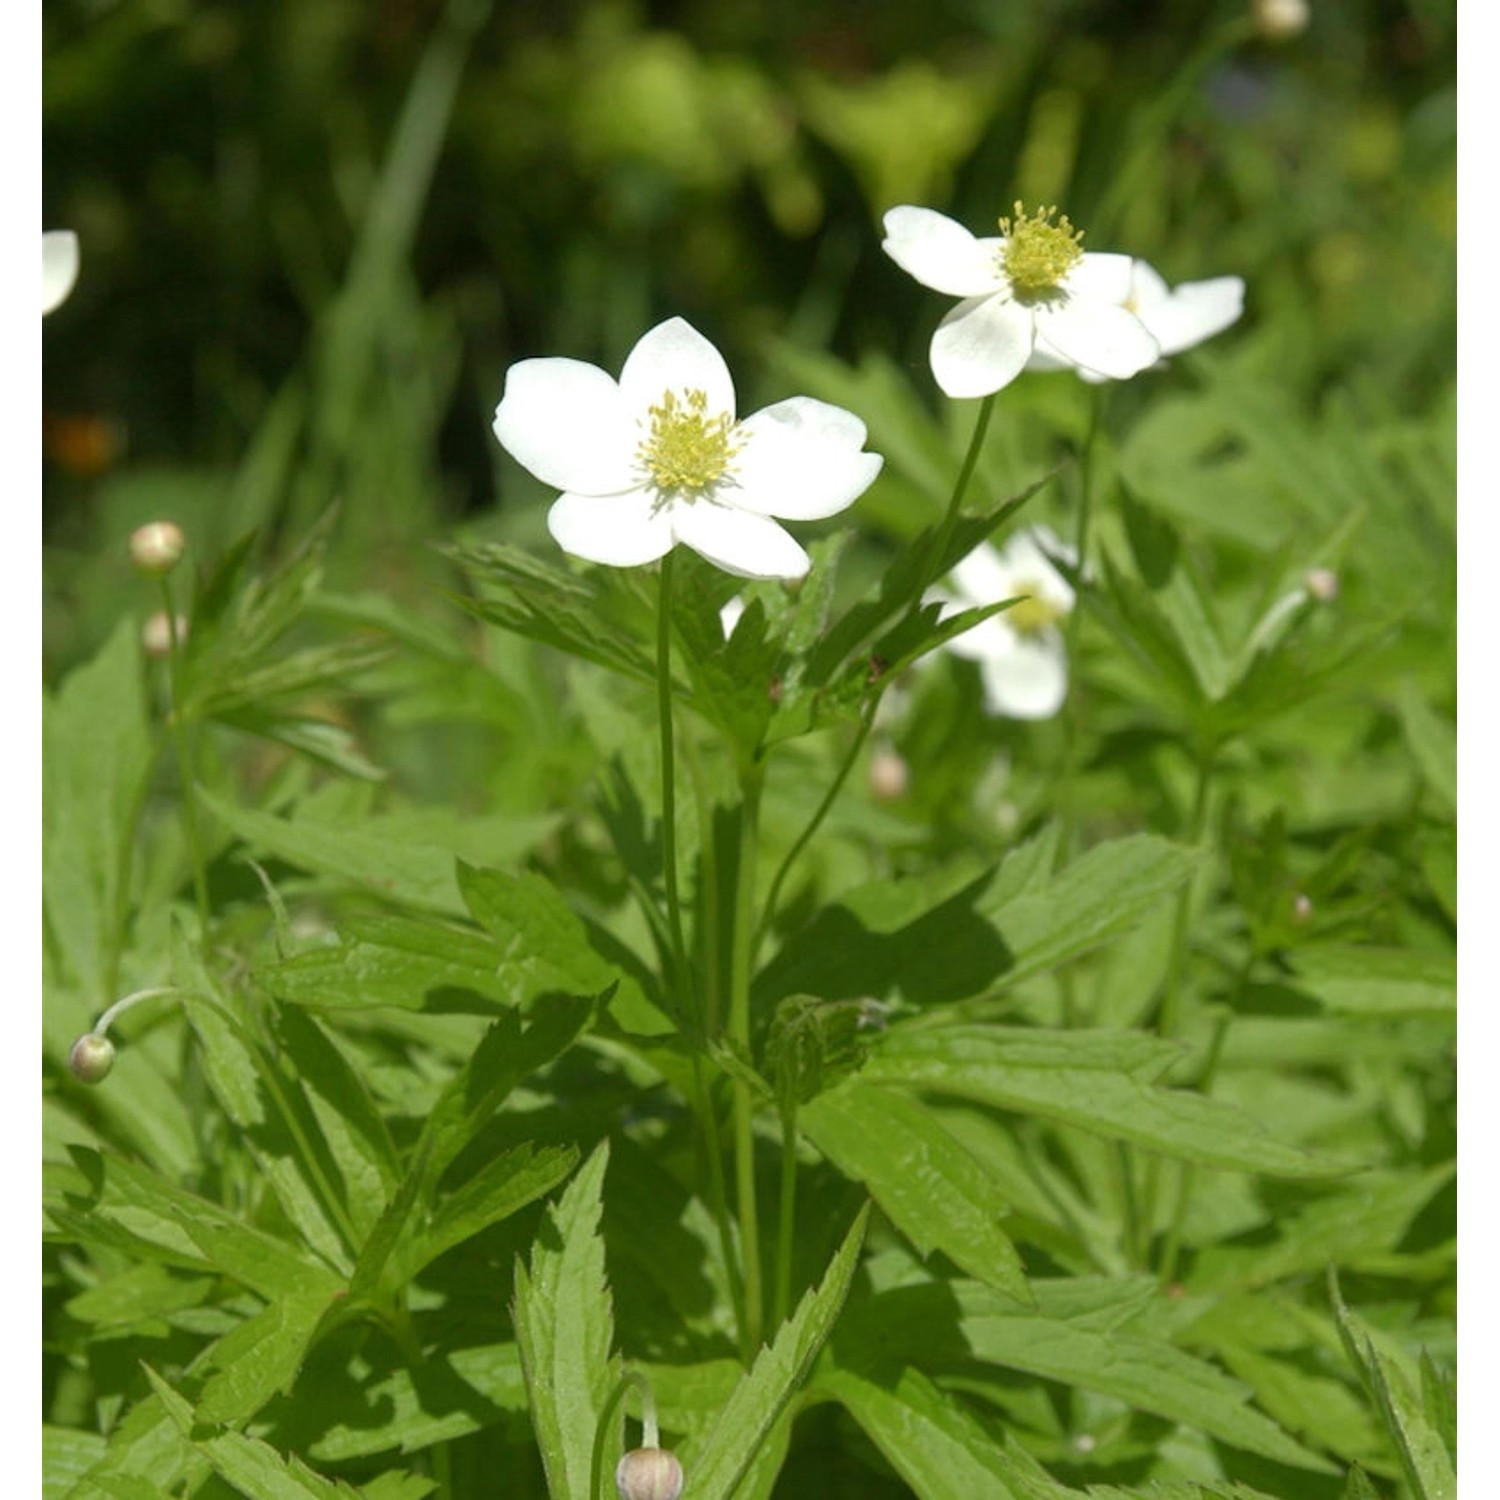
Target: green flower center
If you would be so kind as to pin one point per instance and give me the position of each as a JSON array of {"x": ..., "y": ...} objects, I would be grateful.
[
  {"x": 687, "y": 450},
  {"x": 1040, "y": 249},
  {"x": 1033, "y": 614}
]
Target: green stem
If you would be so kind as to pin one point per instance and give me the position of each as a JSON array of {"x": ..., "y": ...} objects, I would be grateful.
[
  {"x": 1172, "y": 1247},
  {"x": 718, "y": 1189},
  {"x": 1171, "y": 1002},
  {"x": 668, "y": 772},
  {"x": 786, "y": 1218},
  {"x": 1071, "y": 711},
  {"x": 649, "y": 1437},
  {"x": 739, "y": 1036},
  {"x": 185, "y": 761},
  {"x": 768, "y": 911},
  {"x": 937, "y": 566}
]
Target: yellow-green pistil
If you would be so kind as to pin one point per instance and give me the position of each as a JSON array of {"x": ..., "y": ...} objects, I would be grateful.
[
  {"x": 1040, "y": 249},
  {"x": 1033, "y": 614},
  {"x": 687, "y": 451}
]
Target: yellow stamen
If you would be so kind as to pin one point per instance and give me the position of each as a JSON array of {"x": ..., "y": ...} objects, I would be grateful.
[
  {"x": 1038, "y": 252},
  {"x": 687, "y": 451},
  {"x": 1034, "y": 613}
]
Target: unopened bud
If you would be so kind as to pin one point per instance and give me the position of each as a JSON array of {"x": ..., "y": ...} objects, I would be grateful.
[
  {"x": 1322, "y": 584},
  {"x": 1281, "y": 20},
  {"x": 91, "y": 1057},
  {"x": 156, "y": 548},
  {"x": 888, "y": 775},
  {"x": 1302, "y": 907},
  {"x": 156, "y": 633},
  {"x": 649, "y": 1474}
]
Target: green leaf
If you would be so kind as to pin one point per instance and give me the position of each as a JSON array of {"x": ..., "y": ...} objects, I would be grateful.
[
  {"x": 96, "y": 755},
  {"x": 1097, "y": 898},
  {"x": 67, "y": 1453},
  {"x": 931, "y": 1441},
  {"x": 950, "y": 1326},
  {"x": 403, "y": 963},
  {"x": 538, "y": 934},
  {"x": 259, "y": 1357},
  {"x": 716, "y": 1467},
  {"x": 251, "y": 1466},
  {"x": 454, "y": 1393},
  {"x": 1379, "y": 982},
  {"x": 564, "y": 1321},
  {"x": 594, "y": 615},
  {"x": 1074, "y": 1077},
  {"x": 505, "y": 1057},
  {"x": 236, "y": 1071},
  {"x": 192, "y": 1231},
  {"x": 412, "y": 874},
  {"x": 1426, "y": 1462},
  {"x": 507, "y": 1184},
  {"x": 1434, "y": 743},
  {"x": 933, "y": 1190}
]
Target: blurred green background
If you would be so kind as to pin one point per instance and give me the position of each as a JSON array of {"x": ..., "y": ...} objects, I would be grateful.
[{"x": 316, "y": 232}]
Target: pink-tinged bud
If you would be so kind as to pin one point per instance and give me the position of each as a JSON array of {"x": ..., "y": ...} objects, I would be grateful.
[
  {"x": 91, "y": 1057},
  {"x": 889, "y": 775},
  {"x": 1281, "y": 20},
  {"x": 156, "y": 548},
  {"x": 156, "y": 633},
  {"x": 1322, "y": 584},
  {"x": 649, "y": 1474}
]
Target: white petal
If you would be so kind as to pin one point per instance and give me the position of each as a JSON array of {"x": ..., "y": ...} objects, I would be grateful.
[
  {"x": 982, "y": 345},
  {"x": 674, "y": 356},
  {"x": 566, "y": 422},
  {"x": 1101, "y": 278},
  {"x": 621, "y": 530},
  {"x": 1197, "y": 310},
  {"x": 802, "y": 459},
  {"x": 1030, "y": 681},
  {"x": 1099, "y": 337},
  {"x": 747, "y": 545},
  {"x": 989, "y": 640},
  {"x": 1148, "y": 289},
  {"x": 1028, "y": 568},
  {"x": 941, "y": 253},
  {"x": 59, "y": 267},
  {"x": 1045, "y": 357},
  {"x": 981, "y": 577}
]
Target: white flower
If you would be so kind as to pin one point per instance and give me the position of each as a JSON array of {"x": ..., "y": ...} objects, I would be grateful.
[
  {"x": 59, "y": 267},
  {"x": 1023, "y": 662},
  {"x": 1035, "y": 282},
  {"x": 659, "y": 458},
  {"x": 1176, "y": 318}
]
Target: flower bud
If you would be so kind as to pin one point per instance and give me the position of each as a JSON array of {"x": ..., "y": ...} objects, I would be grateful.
[
  {"x": 1322, "y": 584},
  {"x": 1302, "y": 907},
  {"x": 1281, "y": 20},
  {"x": 156, "y": 633},
  {"x": 155, "y": 548},
  {"x": 91, "y": 1057},
  {"x": 888, "y": 775},
  {"x": 649, "y": 1474}
]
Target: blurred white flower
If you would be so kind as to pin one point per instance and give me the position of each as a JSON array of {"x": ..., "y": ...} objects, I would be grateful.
[
  {"x": 729, "y": 615},
  {"x": 1033, "y": 283},
  {"x": 1280, "y": 20},
  {"x": 59, "y": 267},
  {"x": 1023, "y": 661},
  {"x": 658, "y": 457},
  {"x": 1177, "y": 318}
]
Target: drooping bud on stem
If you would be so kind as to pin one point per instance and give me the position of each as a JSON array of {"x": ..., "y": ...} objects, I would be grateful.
[
  {"x": 649, "y": 1474},
  {"x": 157, "y": 547},
  {"x": 92, "y": 1056}
]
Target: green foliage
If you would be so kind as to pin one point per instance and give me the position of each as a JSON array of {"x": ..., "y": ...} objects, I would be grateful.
[{"x": 934, "y": 1103}]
